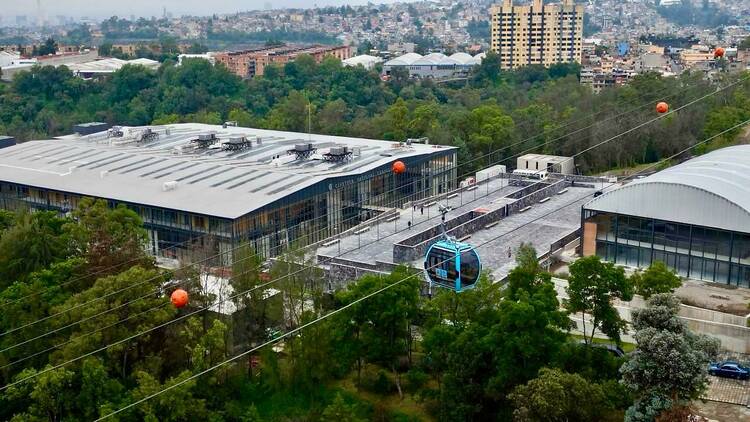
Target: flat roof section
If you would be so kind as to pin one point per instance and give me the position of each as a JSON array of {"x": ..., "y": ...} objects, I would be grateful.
[{"x": 210, "y": 181}]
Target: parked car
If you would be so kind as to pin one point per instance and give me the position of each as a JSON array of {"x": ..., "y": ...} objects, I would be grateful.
[{"x": 729, "y": 370}]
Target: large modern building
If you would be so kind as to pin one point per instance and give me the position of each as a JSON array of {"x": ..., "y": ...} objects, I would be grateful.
[
  {"x": 695, "y": 217},
  {"x": 253, "y": 62},
  {"x": 237, "y": 184},
  {"x": 536, "y": 33}
]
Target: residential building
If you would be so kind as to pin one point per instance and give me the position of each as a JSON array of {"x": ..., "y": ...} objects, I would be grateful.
[
  {"x": 234, "y": 184},
  {"x": 536, "y": 33},
  {"x": 694, "y": 217},
  {"x": 251, "y": 63}
]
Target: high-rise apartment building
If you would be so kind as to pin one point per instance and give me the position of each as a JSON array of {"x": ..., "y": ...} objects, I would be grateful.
[{"x": 537, "y": 33}]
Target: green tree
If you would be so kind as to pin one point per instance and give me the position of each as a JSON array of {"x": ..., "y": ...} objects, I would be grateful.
[
  {"x": 658, "y": 278},
  {"x": 35, "y": 241},
  {"x": 49, "y": 47},
  {"x": 108, "y": 238},
  {"x": 49, "y": 396},
  {"x": 592, "y": 287},
  {"x": 397, "y": 121},
  {"x": 669, "y": 365},
  {"x": 290, "y": 114},
  {"x": 339, "y": 410},
  {"x": 558, "y": 396},
  {"x": 381, "y": 323}
]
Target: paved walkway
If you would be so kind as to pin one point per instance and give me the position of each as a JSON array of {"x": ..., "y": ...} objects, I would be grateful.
[{"x": 728, "y": 390}]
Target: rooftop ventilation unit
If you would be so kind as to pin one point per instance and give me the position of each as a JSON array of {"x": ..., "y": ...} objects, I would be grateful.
[
  {"x": 337, "y": 154},
  {"x": 230, "y": 123},
  {"x": 204, "y": 140},
  {"x": 115, "y": 132},
  {"x": 302, "y": 151},
  {"x": 424, "y": 140},
  {"x": 169, "y": 186},
  {"x": 237, "y": 143},
  {"x": 258, "y": 140},
  {"x": 147, "y": 135}
]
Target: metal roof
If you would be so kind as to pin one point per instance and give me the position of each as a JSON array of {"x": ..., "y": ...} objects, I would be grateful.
[
  {"x": 433, "y": 59},
  {"x": 712, "y": 190},
  {"x": 210, "y": 181}
]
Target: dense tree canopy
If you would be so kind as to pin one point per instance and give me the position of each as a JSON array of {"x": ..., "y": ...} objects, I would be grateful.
[{"x": 531, "y": 108}]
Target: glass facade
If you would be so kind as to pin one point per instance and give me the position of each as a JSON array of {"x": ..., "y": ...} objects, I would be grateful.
[
  {"x": 696, "y": 252},
  {"x": 302, "y": 217}
]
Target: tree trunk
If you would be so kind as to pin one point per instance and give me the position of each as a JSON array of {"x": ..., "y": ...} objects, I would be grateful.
[
  {"x": 593, "y": 330},
  {"x": 585, "y": 336},
  {"x": 397, "y": 377}
]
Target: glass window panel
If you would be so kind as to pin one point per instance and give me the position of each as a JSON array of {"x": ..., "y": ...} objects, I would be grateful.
[
  {"x": 722, "y": 272},
  {"x": 601, "y": 250},
  {"x": 696, "y": 267},
  {"x": 645, "y": 258},
  {"x": 683, "y": 265},
  {"x": 709, "y": 270}
]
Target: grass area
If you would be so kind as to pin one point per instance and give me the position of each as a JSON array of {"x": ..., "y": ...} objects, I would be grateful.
[{"x": 626, "y": 347}]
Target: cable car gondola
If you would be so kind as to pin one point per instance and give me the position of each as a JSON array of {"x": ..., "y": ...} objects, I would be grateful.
[{"x": 452, "y": 264}]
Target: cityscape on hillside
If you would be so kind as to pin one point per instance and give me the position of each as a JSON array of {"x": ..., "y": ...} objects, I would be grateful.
[{"x": 444, "y": 210}]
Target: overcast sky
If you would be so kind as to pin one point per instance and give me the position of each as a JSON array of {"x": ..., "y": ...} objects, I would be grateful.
[{"x": 125, "y": 8}]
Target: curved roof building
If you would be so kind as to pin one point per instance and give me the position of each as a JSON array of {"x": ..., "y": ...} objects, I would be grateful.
[
  {"x": 695, "y": 217},
  {"x": 712, "y": 190},
  {"x": 434, "y": 65}
]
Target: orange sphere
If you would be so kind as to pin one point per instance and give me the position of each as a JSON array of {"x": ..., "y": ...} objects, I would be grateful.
[
  {"x": 399, "y": 167},
  {"x": 719, "y": 52},
  {"x": 179, "y": 298},
  {"x": 662, "y": 107}
]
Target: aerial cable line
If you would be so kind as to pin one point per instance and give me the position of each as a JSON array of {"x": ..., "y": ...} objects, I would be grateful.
[
  {"x": 312, "y": 266},
  {"x": 546, "y": 143},
  {"x": 349, "y": 305},
  {"x": 395, "y": 188},
  {"x": 100, "y": 329},
  {"x": 570, "y": 158}
]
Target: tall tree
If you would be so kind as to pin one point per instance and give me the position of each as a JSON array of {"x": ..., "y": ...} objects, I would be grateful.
[
  {"x": 658, "y": 278},
  {"x": 592, "y": 287},
  {"x": 35, "y": 241},
  {"x": 669, "y": 366},
  {"x": 108, "y": 238},
  {"x": 556, "y": 396}
]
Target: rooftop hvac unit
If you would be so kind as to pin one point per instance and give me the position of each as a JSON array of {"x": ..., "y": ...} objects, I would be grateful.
[
  {"x": 148, "y": 135},
  {"x": 237, "y": 143},
  {"x": 258, "y": 140},
  {"x": 115, "y": 132},
  {"x": 303, "y": 147},
  {"x": 339, "y": 153},
  {"x": 206, "y": 136},
  {"x": 302, "y": 151},
  {"x": 169, "y": 186},
  {"x": 357, "y": 151}
]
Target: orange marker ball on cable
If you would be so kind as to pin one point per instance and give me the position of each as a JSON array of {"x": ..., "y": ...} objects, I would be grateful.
[
  {"x": 662, "y": 107},
  {"x": 179, "y": 298},
  {"x": 399, "y": 167}
]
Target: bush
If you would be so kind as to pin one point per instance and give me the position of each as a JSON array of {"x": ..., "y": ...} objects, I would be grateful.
[
  {"x": 377, "y": 382},
  {"x": 415, "y": 380}
]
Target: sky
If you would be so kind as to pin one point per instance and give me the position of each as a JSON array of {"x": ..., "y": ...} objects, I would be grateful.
[{"x": 125, "y": 8}]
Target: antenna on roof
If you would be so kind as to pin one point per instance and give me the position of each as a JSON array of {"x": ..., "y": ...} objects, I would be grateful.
[{"x": 309, "y": 119}]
